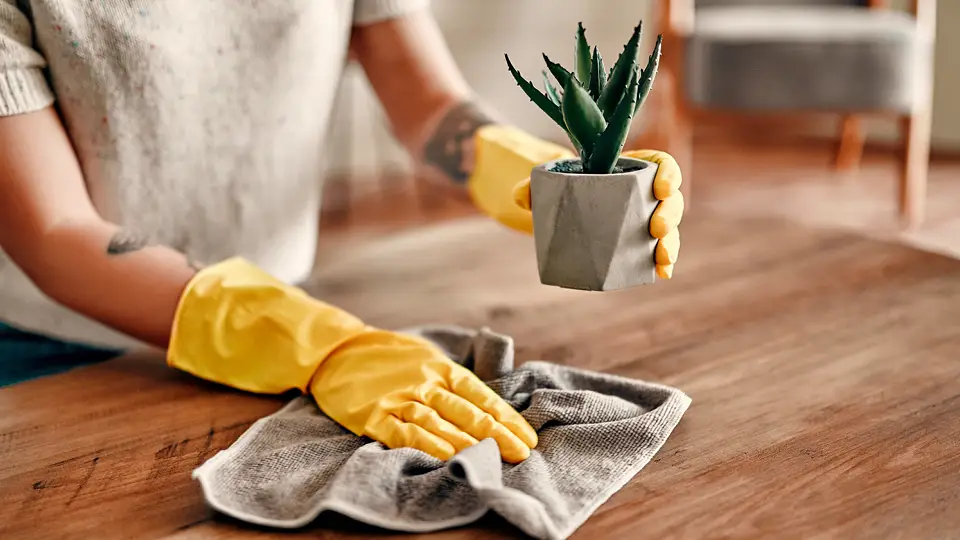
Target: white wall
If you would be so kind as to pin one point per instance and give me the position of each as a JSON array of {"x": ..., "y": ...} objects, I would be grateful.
[{"x": 946, "y": 97}]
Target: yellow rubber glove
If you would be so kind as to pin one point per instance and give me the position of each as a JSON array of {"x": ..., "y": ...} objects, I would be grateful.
[
  {"x": 404, "y": 392},
  {"x": 505, "y": 155},
  {"x": 238, "y": 326}
]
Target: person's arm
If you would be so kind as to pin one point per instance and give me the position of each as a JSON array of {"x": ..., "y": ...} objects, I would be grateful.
[
  {"x": 50, "y": 229},
  {"x": 443, "y": 125},
  {"x": 236, "y": 324},
  {"x": 431, "y": 108}
]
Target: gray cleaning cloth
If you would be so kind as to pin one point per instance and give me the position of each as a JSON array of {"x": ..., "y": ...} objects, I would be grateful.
[{"x": 596, "y": 432}]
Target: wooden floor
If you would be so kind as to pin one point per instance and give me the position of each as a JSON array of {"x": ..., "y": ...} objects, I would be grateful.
[{"x": 823, "y": 367}]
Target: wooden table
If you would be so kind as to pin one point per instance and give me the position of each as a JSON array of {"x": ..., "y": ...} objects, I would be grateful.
[{"x": 824, "y": 370}]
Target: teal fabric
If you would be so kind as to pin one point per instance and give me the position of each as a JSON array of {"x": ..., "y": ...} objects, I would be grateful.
[{"x": 25, "y": 356}]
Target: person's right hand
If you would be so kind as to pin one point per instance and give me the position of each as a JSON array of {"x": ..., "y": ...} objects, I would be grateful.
[
  {"x": 239, "y": 326},
  {"x": 403, "y": 391}
]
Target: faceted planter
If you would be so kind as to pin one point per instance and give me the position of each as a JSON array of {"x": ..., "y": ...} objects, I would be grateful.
[{"x": 592, "y": 231}]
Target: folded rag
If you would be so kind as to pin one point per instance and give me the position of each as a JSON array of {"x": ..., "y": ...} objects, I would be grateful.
[{"x": 596, "y": 432}]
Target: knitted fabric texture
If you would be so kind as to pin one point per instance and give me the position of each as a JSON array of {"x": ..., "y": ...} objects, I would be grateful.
[{"x": 199, "y": 125}]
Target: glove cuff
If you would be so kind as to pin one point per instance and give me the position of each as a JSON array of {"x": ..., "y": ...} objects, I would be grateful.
[
  {"x": 504, "y": 156},
  {"x": 237, "y": 325}
]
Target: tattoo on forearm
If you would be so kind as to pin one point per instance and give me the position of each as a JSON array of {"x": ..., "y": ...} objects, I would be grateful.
[
  {"x": 451, "y": 147},
  {"x": 126, "y": 241}
]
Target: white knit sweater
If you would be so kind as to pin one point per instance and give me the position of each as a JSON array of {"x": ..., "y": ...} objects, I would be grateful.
[{"x": 199, "y": 122}]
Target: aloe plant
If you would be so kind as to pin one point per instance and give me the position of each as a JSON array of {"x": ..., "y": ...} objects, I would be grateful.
[{"x": 595, "y": 107}]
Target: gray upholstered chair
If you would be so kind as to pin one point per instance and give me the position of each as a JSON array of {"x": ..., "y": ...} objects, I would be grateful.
[{"x": 851, "y": 57}]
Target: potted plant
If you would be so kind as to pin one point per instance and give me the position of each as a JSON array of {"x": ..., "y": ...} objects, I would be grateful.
[{"x": 591, "y": 214}]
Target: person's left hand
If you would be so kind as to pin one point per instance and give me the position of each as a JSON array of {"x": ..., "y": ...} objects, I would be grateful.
[
  {"x": 666, "y": 217},
  {"x": 505, "y": 155}
]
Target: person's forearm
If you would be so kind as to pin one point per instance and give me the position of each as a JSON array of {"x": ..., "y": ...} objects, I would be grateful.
[
  {"x": 111, "y": 275},
  {"x": 431, "y": 108},
  {"x": 50, "y": 229}
]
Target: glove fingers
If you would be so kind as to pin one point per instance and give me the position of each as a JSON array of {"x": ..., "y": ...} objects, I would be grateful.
[
  {"x": 668, "y": 248},
  {"x": 668, "y": 179},
  {"x": 473, "y": 390},
  {"x": 394, "y": 433},
  {"x": 667, "y": 216},
  {"x": 428, "y": 419},
  {"x": 477, "y": 423},
  {"x": 665, "y": 271},
  {"x": 521, "y": 194}
]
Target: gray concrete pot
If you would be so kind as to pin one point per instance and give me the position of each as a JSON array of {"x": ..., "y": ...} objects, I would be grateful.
[{"x": 592, "y": 231}]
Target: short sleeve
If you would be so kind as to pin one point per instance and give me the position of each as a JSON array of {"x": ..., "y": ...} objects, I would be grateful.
[
  {"x": 372, "y": 11},
  {"x": 23, "y": 87}
]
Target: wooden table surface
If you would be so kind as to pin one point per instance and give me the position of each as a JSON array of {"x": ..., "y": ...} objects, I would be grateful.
[{"x": 824, "y": 370}]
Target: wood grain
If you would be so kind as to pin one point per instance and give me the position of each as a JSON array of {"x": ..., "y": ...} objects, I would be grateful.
[{"x": 823, "y": 369}]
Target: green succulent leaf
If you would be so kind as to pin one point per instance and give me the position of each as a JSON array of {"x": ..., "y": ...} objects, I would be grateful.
[
  {"x": 598, "y": 75},
  {"x": 582, "y": 54},
  {"x": 583, "y": 118},
  {"x": 594, "y": 106},
  {"x": 620, "y": 76},
  {"x": 551, "y": 90},
  {"x": 606, "y": 151},
  {"x": 558, "y": 71},
  {"x": 536, "y": 96},
  {"x": 649, "y": 74}
]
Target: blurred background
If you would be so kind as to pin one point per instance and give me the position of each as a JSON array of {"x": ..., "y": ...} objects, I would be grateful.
[
  {"x": 479, "y": 33},
  {"x": 764, "y": 103}
]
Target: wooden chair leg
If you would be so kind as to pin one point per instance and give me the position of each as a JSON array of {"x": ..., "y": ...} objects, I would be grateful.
[
  {"x": 850, "y": 149},
  {"x": 915, "y": 130}
]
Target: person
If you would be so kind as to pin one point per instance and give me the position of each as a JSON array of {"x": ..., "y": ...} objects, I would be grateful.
[{"x": 159, "y": 185}]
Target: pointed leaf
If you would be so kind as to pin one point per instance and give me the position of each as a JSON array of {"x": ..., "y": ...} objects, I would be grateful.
[
  {"x": 582, "y": 116},
  {"x": 649, "y": 74},
  {"x": 542, "y": 101},
  {"x": 606, "y": 150},
  {"x": 551, "y": 90},
  {"x": 582, "y": 54},
  {"x": 598, "y": 75},
  {"x": 560, "y": 72},
  {"x": 620, "y": 76}
]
